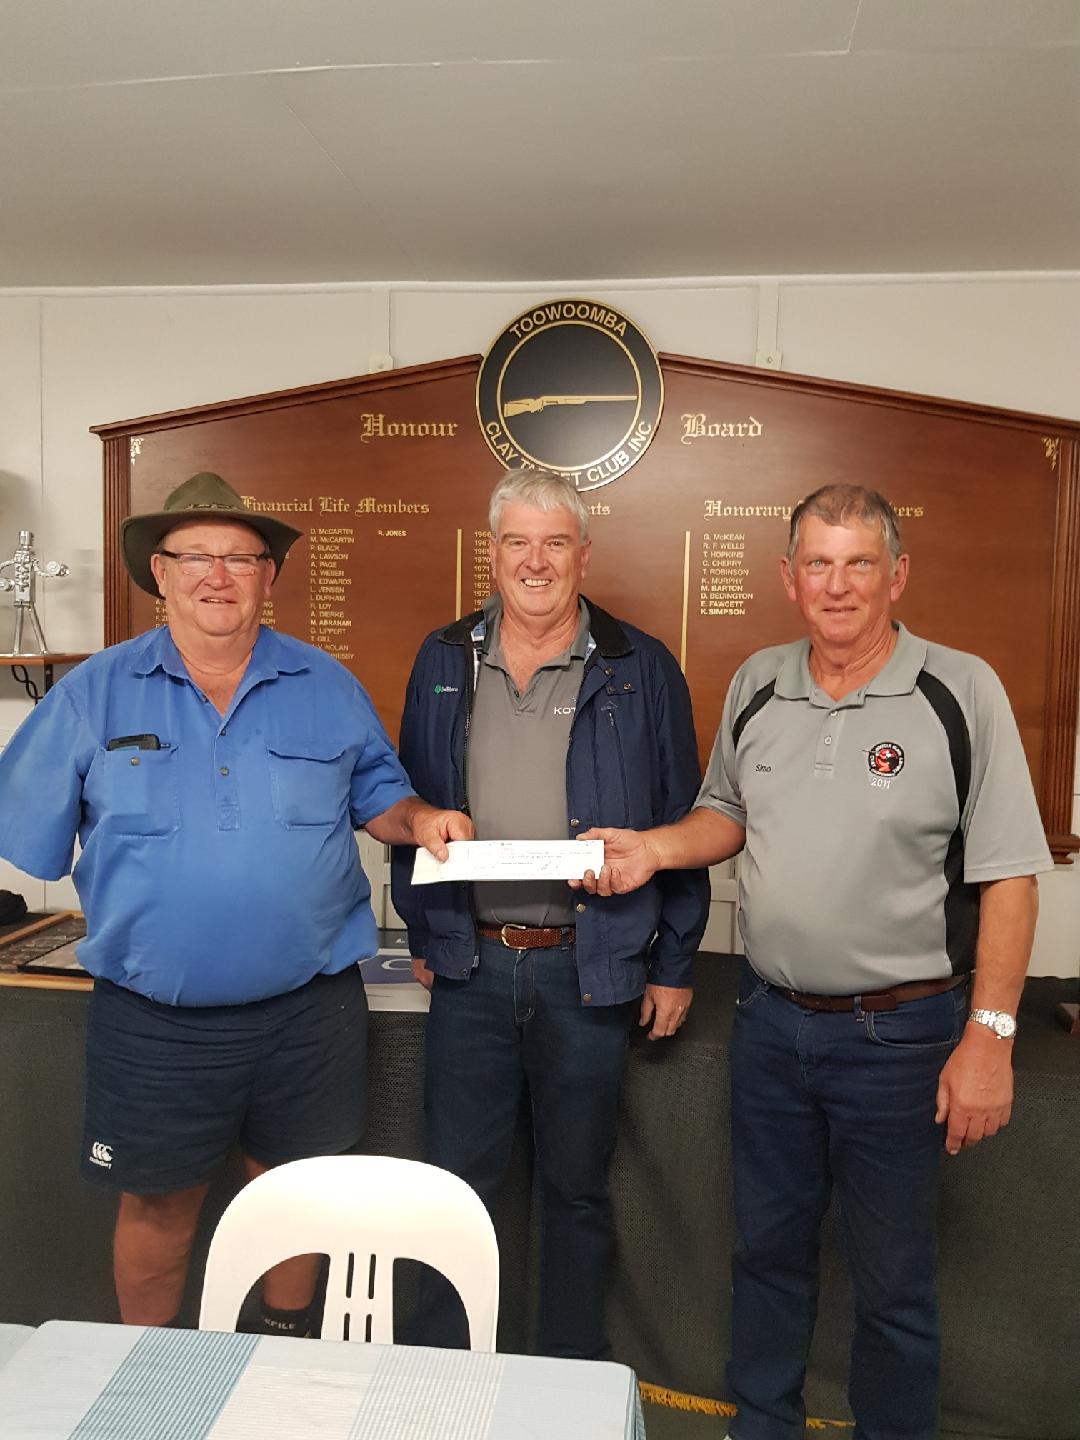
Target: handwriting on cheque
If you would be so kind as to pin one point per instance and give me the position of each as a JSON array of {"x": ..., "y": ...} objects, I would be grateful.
[{"x": 510, "y": 860}]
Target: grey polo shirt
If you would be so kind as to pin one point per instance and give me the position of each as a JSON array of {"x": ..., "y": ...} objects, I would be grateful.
[
  {"x": 516, "y": 770},
  {"x": 859, "y": 870}
]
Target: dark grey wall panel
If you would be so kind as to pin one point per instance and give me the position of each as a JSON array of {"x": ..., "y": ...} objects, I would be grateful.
[{"x": 1010, "y": 1252}]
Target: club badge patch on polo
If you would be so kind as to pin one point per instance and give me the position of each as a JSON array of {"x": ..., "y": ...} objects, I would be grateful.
[
  {"x": 886, "y": 758},
  {"x": 571, "y": 386}
]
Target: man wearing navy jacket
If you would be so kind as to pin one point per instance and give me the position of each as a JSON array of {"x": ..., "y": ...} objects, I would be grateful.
[{"x": 541, "y": 716}]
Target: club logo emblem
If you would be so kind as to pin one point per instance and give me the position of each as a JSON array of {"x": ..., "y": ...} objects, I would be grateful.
[
  {"x": 571, "y": 386},
  {"x": 886, "y": 758}
]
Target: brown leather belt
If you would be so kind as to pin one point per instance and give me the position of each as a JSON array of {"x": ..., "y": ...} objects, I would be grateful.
[
  {"x": 874, "y": 999},
  {"x": 520, "y": 937}
]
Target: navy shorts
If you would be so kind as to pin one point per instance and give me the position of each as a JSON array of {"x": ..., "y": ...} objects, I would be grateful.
[{"x": 170, "y": 1089}]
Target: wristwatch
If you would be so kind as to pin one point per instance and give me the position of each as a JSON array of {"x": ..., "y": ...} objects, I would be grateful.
[{"x": 999, "y": 1021}]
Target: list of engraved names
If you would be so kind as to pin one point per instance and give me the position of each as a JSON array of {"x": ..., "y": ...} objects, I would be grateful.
[
  {"x": 330, "y": 586},
  {"x": 724, "y": 573}
]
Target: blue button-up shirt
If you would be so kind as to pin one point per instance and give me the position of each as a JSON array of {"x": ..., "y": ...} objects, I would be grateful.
[{"x": 220, "y": 868}]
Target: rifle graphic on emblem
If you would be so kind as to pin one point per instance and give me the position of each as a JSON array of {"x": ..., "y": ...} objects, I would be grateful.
[{"x": 532, "y": 405}]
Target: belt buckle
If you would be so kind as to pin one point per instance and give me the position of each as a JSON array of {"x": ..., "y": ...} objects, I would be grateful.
[
  {"x": 881, "y": 1003},
  {"x": 511, "y": 926}
]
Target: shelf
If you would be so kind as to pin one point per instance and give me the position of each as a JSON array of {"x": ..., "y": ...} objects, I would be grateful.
[{"x": 45, "y": 663}]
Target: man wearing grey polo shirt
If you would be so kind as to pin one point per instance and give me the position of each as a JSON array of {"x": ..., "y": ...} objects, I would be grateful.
[
  {"x": 877, "y": 787},
  {"x": 544, "y": 715}
]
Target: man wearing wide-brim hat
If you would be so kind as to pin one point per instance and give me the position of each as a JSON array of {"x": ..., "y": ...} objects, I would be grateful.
[
  {"x": 203, "y": 498},
  {"x": 213, "y": 771}
]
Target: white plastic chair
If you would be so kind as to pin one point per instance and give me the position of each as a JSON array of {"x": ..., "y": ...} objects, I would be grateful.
[{"x": 364, "y": 1211}]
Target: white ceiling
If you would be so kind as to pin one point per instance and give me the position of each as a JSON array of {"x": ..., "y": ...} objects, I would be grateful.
[{"x": 191, "y": 142}]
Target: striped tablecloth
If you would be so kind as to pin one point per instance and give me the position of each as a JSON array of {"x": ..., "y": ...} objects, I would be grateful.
[
  {"x": 11, "y": 1337},
  {"x": 77, "y": 1381}
]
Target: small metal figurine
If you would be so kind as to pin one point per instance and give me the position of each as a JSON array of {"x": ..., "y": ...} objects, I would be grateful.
[{"x": 25, "y": 568}]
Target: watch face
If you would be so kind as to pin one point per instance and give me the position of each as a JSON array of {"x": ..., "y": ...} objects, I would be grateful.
[{"x": 1004, "y": 1025}]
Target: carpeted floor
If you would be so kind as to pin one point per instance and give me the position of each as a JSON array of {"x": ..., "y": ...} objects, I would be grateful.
[
  {"x": 672, "y": 1416},
  {"x": 669, "y": 1422},
  {"x": 664, "y": 1424}
]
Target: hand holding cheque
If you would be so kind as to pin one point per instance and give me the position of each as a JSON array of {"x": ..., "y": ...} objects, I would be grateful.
[{"x": 632, "y": 857}]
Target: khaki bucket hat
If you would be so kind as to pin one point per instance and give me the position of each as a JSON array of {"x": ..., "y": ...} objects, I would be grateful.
[{"x": 204, "y": 497}]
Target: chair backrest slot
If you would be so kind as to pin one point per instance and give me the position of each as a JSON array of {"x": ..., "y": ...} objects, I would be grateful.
[{"x": 348, "y": 1206}]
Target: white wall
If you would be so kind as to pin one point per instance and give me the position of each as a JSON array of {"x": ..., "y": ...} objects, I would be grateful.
[{"x": 71, "y": 359}]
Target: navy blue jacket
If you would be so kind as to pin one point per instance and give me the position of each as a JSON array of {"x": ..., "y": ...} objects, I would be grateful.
[{"x": 632, "y": 761}]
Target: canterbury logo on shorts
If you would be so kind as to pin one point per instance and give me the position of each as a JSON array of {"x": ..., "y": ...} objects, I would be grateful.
[{"x": 101, "y": 1154}]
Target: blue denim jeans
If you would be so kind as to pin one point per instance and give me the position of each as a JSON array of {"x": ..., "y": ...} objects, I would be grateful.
[
  {"x": 520, "y": 1018},
  {"x": 847, "y": 1098}
]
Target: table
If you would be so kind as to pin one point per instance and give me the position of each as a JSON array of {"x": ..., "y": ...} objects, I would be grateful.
[
  {"x": 73, "y": 1380},
  {"x": 11, "y": 1337},
  {"x": 40, "y": 951}
]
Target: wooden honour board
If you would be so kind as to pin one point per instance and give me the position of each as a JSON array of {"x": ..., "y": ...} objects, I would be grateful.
[{"x": 389, "y": 476}]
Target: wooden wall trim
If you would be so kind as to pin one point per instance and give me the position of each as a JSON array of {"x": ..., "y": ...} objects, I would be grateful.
[
  {"x": 869, "y": 394},
  {"x": 686, "y": 364},
  {"x": 1063, "y": 683},
  {"x": 116, "y": 486},
  {"x": 282, "y": 399}
]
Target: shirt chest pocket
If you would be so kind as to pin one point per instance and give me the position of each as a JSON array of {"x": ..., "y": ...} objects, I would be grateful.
[
  {"x": 309, "y": 781},
  {"x": 135, "y": 792}
]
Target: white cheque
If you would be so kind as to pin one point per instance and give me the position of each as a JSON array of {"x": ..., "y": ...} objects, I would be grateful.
[{"x": 510, "y": 860}]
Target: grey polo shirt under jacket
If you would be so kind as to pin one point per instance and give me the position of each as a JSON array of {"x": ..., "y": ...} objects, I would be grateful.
[
  {"x": 859, "y": 870},
  {"x": 516, "y": 770}
]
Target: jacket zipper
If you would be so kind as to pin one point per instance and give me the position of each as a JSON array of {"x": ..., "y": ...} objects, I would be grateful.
[
  {"x": 472, "y": 664},
  {"x": 470, "y": 696},
  {"x": 609, "y": 710}
]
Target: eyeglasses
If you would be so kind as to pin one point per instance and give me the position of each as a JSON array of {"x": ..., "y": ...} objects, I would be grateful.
[{"x": 192, "y": 563}]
